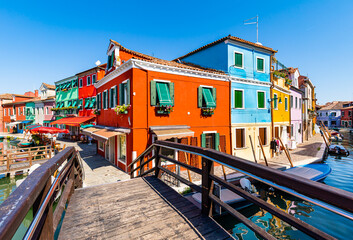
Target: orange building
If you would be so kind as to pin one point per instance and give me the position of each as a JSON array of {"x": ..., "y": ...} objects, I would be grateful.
[{"x": 142, "y": 99}]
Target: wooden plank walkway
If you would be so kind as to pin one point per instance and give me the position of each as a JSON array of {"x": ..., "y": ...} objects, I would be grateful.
[{"x": 141, "y": 208}]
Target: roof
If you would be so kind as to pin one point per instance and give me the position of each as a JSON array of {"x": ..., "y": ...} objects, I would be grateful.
[
  {"x": 24, "y": 101},
  {"x": 6, "y": 96},
  {"x": 350, "y": 107},
  {"x": 290, "y": 70},
  {"x": 334, "y": 105},
  {"x": 102, "y": 66},
  {"x": 229, "y": 37},
  {"x": 151, "y": 59},
  {"x": 49, "y": 86}
]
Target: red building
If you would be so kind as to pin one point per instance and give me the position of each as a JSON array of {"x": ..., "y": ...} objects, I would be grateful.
[
  {"x": 86, "y": 90},
  {"x": 158, "y": 99},
  {"x": 347, "y": 117},
  {"x": 14, "y": 111},
  {"x": 4, "y": 98}
]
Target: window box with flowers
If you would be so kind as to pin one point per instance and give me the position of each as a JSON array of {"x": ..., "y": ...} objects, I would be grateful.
[
  {"x": 207, "y": 111},
  {"x": 122, "y": 109},
  {"x": 164, "y": 110},
  {"x": 97, "y": 112}
]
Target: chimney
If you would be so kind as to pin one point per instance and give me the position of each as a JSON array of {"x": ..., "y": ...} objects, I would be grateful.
[{"x": 36, "y": 93}]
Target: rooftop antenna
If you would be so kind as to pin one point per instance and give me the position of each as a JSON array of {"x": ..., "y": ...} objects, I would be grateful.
[{"x": 246, "y": 22}]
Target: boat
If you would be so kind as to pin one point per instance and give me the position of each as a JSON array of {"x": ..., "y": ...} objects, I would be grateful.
[
  {"x": 313, "y": 171},
  {"x": 336, "y": 136},
  {"x": 338, "y": 150},
  {"x": 24, "y": 144}
]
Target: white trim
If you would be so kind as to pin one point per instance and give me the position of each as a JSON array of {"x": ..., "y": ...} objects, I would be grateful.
[
  {"x": 263, "y": 71},
  {"x": 205, "y": 132},
  {"x": 105, "y": 100},
  {"x": 274, "y": 99},
  {"x": 257, "y": 97},
  {"x": 114, "y": 102},
  {"x": 205, "y": 86},
  {"x": 102, "y": 149},
  {"x": 158, "y": 80},
  {"x": 242, "y": 59},
  {"x": 125, "y": 81},
  {"x": 278, "y": 88},
  {"x": 79, "y": 81},
  {"x": 118, "y": 153},
  {"x": 233, "y": 102},
  {"x": 90, "y": 80},
  {"x": 235, "y": 138}
]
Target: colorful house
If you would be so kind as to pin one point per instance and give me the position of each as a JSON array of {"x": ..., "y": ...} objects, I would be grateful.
[
  {"x": 248, "y": 66},
  {"x": 309, "y": 111},
  {"x": 280, "y": 104},
  {"x": 347, "y": 116},
  {"x": 296, "y": 110},
  {"x": 30, "y": 111},
  {"x": 4, "y": 98},
  {"x": 158, "y": 99},
  {"x": 86, "y": 90},
  {"x": 330, "y": 114}
]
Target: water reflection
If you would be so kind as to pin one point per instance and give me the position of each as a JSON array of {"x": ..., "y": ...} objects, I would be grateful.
[{"x": 337, "y": 226}]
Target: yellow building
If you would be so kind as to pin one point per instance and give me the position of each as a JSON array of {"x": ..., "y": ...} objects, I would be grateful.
[{"x": 280, "y": 107}]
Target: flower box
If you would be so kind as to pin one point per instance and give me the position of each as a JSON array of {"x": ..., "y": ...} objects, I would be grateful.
[
  {"x": 164, "y": 110},
  {"x": 122, "y": 109},
  {"x": 207, "y": 111}
]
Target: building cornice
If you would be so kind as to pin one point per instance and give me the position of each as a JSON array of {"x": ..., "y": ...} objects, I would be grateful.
[
  {"x": 66, "y": 80},
  {"x": 278, "y": 88}
]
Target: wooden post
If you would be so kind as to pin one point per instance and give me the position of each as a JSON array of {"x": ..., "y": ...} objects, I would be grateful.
[
  {"x": 157, "y": 171},
  {"x": 287, "y": 153},
  {"x": 223, "y": 169},
  {"x": 8, "y": 162},
  {"x": 50, "y": 153},
  {"x": 252, "y": 147},
  {"x": 207, "y": 169},
  {"x": 326, "y": 138},
  {"x": 30, "y": 158},
  {"x": 187, "y": 162},
  {"x": 262, "y": 149},
  {"x": 323, "y": 136}
]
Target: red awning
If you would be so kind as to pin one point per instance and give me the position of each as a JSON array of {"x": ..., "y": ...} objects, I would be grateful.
[{"x": 73, "y": 121}]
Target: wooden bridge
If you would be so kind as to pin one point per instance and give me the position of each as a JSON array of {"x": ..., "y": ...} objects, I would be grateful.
[{"x": 145, "y": 207}]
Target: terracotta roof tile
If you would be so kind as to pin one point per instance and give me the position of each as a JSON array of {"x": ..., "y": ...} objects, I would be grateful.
[
  {"x": 7, "y": 96},
  {"x": 334, "y": 105},
  {"x": 229, "y": 37},
  {"x": 49, "y": 86}
]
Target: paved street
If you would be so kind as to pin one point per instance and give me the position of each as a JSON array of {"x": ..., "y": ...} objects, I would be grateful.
[{"x": 97, "y": 170}]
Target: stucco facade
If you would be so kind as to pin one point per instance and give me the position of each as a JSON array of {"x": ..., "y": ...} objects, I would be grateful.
[{"x": 66, "y": 103}]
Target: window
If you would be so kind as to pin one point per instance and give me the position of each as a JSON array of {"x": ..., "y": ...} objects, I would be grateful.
[
  {"x": 333, "y": 114},
  {"x": 162, "y": 93},
  {"x": 80, "y": 104},
  {"x": 296, "y": 102},
  {"x": 110, "y": 60},
  {"x": 88, "y": 80},
  {"x": 80, "y": 82},
  {"x": 261, "y": 99},
  {"x": 99, "y": 101},
  {"x": 210, "y": 140},
  {"x": 122, "y": 148},
  {"x": 74, "y": 83},
  {"x": 349, "y": 113},
  {"x": 238, "y": 59},
  {"x": 69, "y": 103},
  {"x": 240, "y": 138},
  {"x": 94, "y": 78},
  {"x": 275, "y": 101},
  {"x": 291, "y": 102},
  {"x": 263, "y": 135},
  {"x": 286, "y": 103},
  {"x": 238, "y": 98},
  {"x": 101, "y": 145},
  {"x": 326, "y": 114},
  {"x": 300, "y": 103},
  {"x": 206, "y": 97},
  {"x": 291, "y": 130},
  {"x": 87, "y": 103},
  {"x": 47, "y": 110},
  {"x": 342, "y": 114},
  {"x": 260, "y": 64},
  {"x": 5, "y": 112},
  {"x": 14, "y": 112},
  {"x": 93, "y": 103},
  {"x": 105, "y": 100},
  {"x": 112, "y": 98},
  {"x": 124, "y": 92},
  {"x": 333, "y": 123}
]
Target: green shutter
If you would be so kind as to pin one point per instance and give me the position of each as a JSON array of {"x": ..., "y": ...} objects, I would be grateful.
[
  {"x": 260, "y": 99},
  {"x": 104, "y": 102},
  {"x": 216, "y": 141},
  {"x": 238, "y": 99},
  {"x": 116, "y": 95},
  {"x": 286, "y": 104},
  {"x": 214, "y": 94},
  {"x": 108, "y": 64},
  {"x": 203, "y": 140},
  {"x": 153, "y": 93},
  {"x": 112, "y": 59},
  {"x": 260, "y": 64},
  {"x": 275, "y": 99},
  {"x": 128, "y": 92},
  {"x": 199, "y": 97},
  {"x": 57, "y": 105},
  {"x": 208, "y": 97},
  {"x": 87, "y": 103},
  {"x": 171, "y": 92},
  {"x": 121, "y": 94},
  {"x": 69, "y": 104},
  {"x": 163, "y": 94},
  {"x": 93, "y": 102},
  {"x": 238, "y": 60}
]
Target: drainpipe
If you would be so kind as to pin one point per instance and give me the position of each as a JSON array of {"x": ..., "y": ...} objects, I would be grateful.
[
  {"x": 230, "y": 116},
  {"x": 271, "y": 103}
]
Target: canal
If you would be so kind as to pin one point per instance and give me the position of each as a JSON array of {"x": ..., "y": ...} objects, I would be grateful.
[{"x": 337, "y": 226}]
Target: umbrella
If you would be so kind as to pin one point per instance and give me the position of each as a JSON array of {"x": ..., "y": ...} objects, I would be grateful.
[
  {"x": 51, "y": 130},
  {"x": 29, "y": 127},
  {"x": 87, "y": 126}
]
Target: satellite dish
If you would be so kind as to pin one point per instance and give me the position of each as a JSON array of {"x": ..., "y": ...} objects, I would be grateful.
[{"x": 98, "y": 63}]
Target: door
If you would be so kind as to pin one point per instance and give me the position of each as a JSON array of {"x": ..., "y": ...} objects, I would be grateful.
[{"x": 112, "y": 150}]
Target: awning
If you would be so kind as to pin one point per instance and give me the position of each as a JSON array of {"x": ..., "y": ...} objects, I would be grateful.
[
  {"x": 13, "y": 124},
  {"x": 104, "y": 134},
  {"x": 173, "y": 133},
  {"x": 27, "y": 121},
  {"x": 88, "y": 131},
  {"x": 73, "y": 121}
]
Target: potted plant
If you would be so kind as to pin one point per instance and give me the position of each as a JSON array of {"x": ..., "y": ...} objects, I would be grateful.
[
  {"x": 207, "y": 111},
  {"x": 96, "y": 112},
  {"x": 122, "y": 109},
  {"x": 165, "y": 110}
]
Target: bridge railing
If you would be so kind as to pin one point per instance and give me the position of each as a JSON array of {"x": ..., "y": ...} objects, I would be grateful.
[
  {"x": 333, "y": 199},
  {"x": 56, "y": 179}
]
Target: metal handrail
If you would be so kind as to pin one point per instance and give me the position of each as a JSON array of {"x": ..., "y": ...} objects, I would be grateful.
[
  {"x": 32, "y": 228},
  {"x": 320, "y": 203}
]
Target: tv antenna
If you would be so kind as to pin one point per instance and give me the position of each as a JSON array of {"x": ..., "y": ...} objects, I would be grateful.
[{"x": 246, "y": 22}]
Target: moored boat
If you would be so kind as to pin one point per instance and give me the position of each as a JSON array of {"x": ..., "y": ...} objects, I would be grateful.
[
  {"x": 314, "y": 171},
  {"x": 338, "y": 150}
]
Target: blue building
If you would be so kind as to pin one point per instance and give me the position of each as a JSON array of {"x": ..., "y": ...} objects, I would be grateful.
[
  {"x": 330, "y": 114},
  {"x": 248, "y": 66}
]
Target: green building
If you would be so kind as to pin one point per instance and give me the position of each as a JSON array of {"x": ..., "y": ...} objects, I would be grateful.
[
  {"x": 30, "y": 111},
  {"x": 66, "y": 98}
]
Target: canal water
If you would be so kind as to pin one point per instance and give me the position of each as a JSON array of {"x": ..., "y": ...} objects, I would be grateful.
[{"x": 331, "y": 223}]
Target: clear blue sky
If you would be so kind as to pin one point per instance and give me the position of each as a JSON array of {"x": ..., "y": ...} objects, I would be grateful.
[{"x": 45, "y": 41}]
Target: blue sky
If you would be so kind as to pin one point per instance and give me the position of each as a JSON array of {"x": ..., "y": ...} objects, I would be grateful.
[{"x": 45, "y": 41}]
